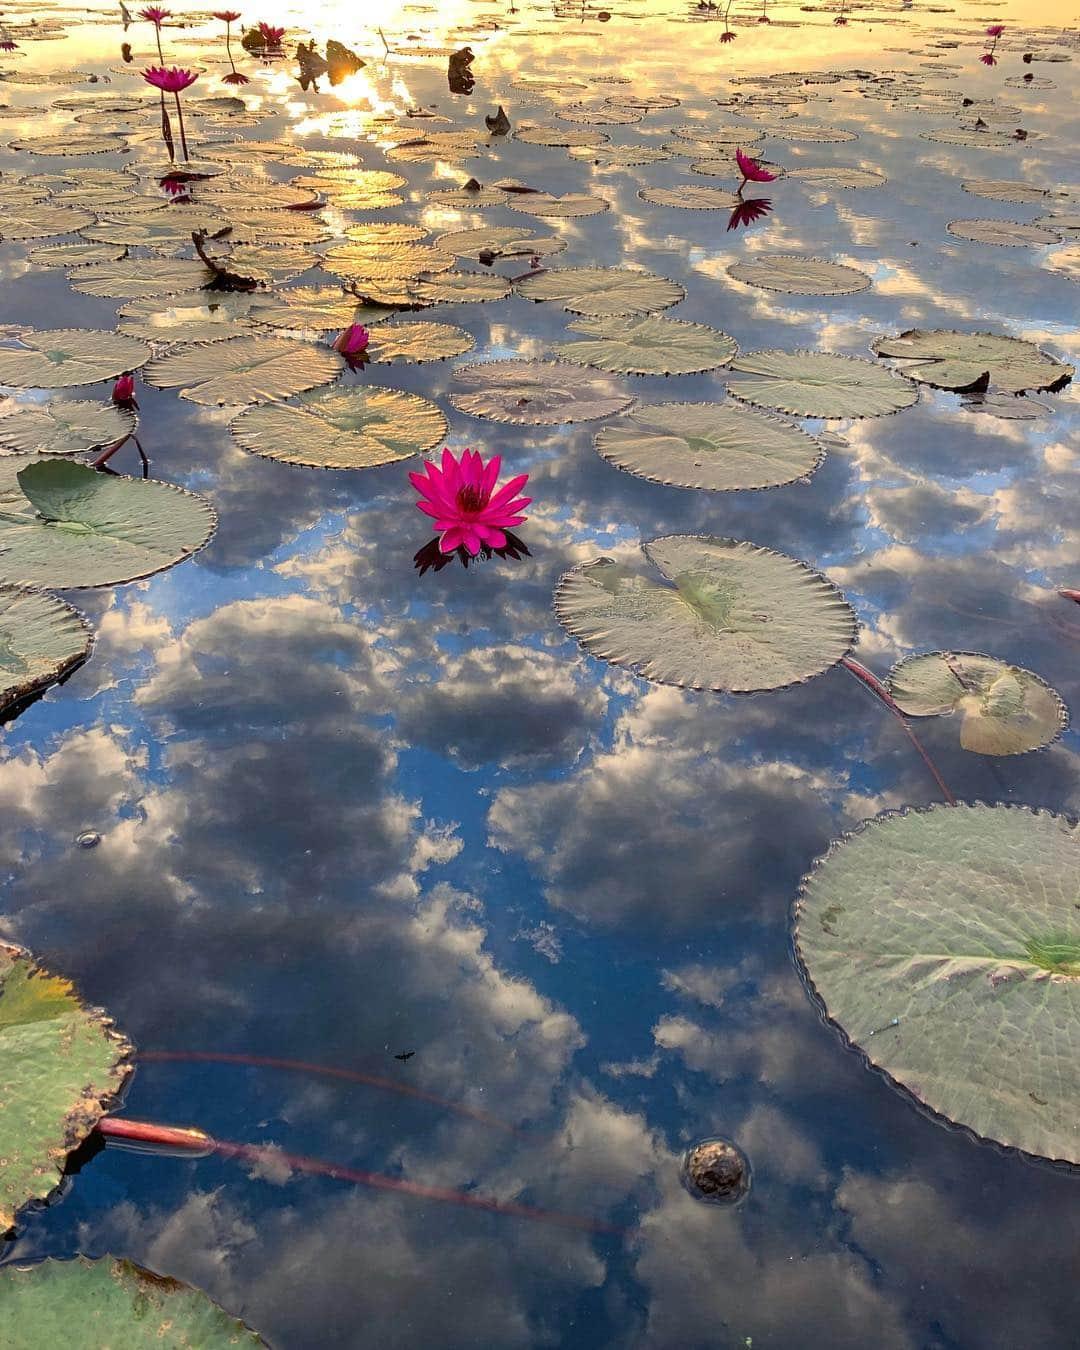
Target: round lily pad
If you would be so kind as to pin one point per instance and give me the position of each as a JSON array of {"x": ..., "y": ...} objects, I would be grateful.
[
  {"x": 417, "y": 342},
  {"x": 819, "y": 384},
  {"x": 1008, "y": 233},
  {"x": 839, "y": 176},
  {"x": 690, "y": 197},
  {"x": 500, "y": 240},
  {"x": 458, "y": 288},
  {"x": 36, "y": 222},
  {"x": 41, "y": 639},
  {"x": 729, "y": 615},
  {"x": 61, "y": 1067},
  {"x": 1005, "y": 709},
  {"x": 379, "y": 261},
  {"x": 945, "y": 944},
  {"x": 131, "y": 277},
  {"x": 58, "y": 358},
  {"x": 74, "y": 255},
  {"x": 1005, "y": 190},
  {"x": 720, "y": 446},
  {"x": 603, "y": 292},
  {"x": 354, "y": 427},
  {"x": 192, "y": 318},
  {"x": 108, "y": 1302},
  {"x": 650, "y": 345},
  {"x": 1063, "y": 223},
  {"x": 947, "y": 359},
  {"x": 796, "y": 274},
  {"x": 551, "y": 205},
  {"x": 65, "y": 427},
  {"x": 64, "y": 526},
  {"x": 536, "y": 393},
  {"x": 244, "y": 370}
]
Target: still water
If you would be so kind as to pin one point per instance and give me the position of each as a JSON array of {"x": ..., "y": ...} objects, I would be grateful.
[{"x": 348, "y": 812}]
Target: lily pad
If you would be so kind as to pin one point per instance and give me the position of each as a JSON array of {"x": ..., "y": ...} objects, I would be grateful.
[
  {"x": 108, "y": 1302},
  {"x": 500, "y": 240},
  {"x": 379, "y": 261},
  {"x": 603, "y": 292},
  {"x": 58, "y": 358},
  {"x": 819, "y": 384},
  {"x": 548, "y": 204},
  {"x": 321, "y": 309},
  {"x": 187, "y": 319},
  {"x": 74, "y": 255},
  {"x": 650, "y": 345},
  {"x": 41, "y": 640},
  {"x": 719, "y": 446},
  {"x": 131, "y": 277},
  {"x": 536, "y": 393},
  {"x": 244, "y": 370},
  {"x": 1006, "y": 190},
  {"x": 728, "y": 615},
  {"x": 1005, "y": 709},
  {"x": 945, "y": 944},
  {"x": 36, "y": 222},
  {"x": 1008, "y": 233},
  {"x": 65, "y": 427},
  {"x": 61, "y": 1066},
  {"x": 690, "y": 197},
  {"x": 417, "y": 342},
  {"x": 458, "y": 288},
  {"x": 357, "y": 427},
  {"x": 946, "y": 359},
  {"x": 63, "y": 526},
  {"x": 796, "y": 274},
  {"x": 844, "y": 178}
]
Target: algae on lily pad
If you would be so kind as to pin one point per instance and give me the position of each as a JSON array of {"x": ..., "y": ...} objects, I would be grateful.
[
  {"x": 649, "y": 345},
  {"x": 820, "y": 384},
  {"x": 57, "y": 358},
  {"x": 41, "y": 640},
  {"x": 603, "y": 292},
  {"x": 83, "y": 1304},
  {"x": 720, "y": 614},
  {"x": 61, "y": 1067},
  {"x": 244, "y": 370},
  {"x": 795, "y": 274},
  {"x": 353, "y": 427},
  {"x": 946, "y": 359},
  {"x": 1006, "y": 710},
  {"x": 719, "y": 446},
  {"x": 537, "y": 393},
  {"x": 65, "y": 427},
  {"x": 64, "y": 526},
  {"x": 945, "y": 944}
]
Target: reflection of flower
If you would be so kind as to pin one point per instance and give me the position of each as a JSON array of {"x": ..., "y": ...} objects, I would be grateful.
[
  {"x": 840, "y": 20},
  {"x": 432, "y": 558},
  {"x": 172, "y": 80},
  {"x": 352, "y": 341},
  {"x": 234, "y": 77},
  {"x": 728, "y": 36},
  {"x": 751, "y": 170},
  {"x": 748, "y": 211},
  {"x": 462, "y": 500},
  {"x": 6, "y": 45},
  {"x": 124, "y": 388},
  {"x": 988, "y": 59},
  {"x": 995, "y": 30}
]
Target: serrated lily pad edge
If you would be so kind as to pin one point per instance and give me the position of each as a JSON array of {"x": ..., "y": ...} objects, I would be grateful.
[{"x": 22, "y": 697}]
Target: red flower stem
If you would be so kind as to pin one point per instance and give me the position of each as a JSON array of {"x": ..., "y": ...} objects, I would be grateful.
[
  {"x": 872, "y": 682},
  {"x": 180, "y": 119},
  {"x": 1070, "y": 595}
]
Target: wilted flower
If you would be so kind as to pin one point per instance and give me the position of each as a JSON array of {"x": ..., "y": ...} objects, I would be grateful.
[
  {"x": 728, "y": 36},
  {"x": 995, "y": 30},
  {"x": 988, "y": 59},
  {"x": 155, "y": 15},
  {"x": 751, "y": 170},
  {"x": 352, "y": 341},
  {"x": 124, "y": 388},
  {"x": 462, "y": 500},
  {"x": 234, "y": 77},
  {"x": 170, "y": 81}
]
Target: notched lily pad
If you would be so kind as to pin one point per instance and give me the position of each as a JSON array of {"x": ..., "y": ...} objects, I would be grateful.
[
  {"x": 59, "y": 358},
  {"x": 42, "y": 639},
  {"x": 946, "y": 359},
  {"x": 536, "y": 393},
  {"x": 65, "y": 427},
  {"x": 650, "y": 345},
  {"x": 819, "y": 384}
]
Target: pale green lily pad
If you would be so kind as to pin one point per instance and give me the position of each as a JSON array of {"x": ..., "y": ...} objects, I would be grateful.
[
  {"x": 796, "y": 274},
  {"x": 407, "y": 342},
  {"x": 41, "y": 640},
  {"x": 1006, "y": 190},
  {"x": 468, "y": 199},
  {"x": 131, "y": 277},
  {"x": 718, "y": 446},
  {"x": 357, "y": 427},
  {"x": 36, "y": 222},
  {"x": 65, "y": 427},
  {"x": 74, "y": 255},
  {"x": 539, "y": 134},
  {"x": 650, "y": 345},
  {"x": 945, "y": 944},
  {"x": 1064, "y": 223},
  {"x": 1006, "y": 233},
  {"x": 270, "y": 264},
  {"x": 820, "y": 384},
  {"x": 1005, "y": 709},
  {"x": 321, "y": 309},
  {"x": 167, "y": 232},
  {"x": 537, "y": 393},
  {"x": 81, "y": 1304},
  {"x": 186, "y": 319},
  {"x": 690, "y": 197},
  {"x": 970, "y": 136},
  {"x": 244, "y": 370},
  {"x": 61, "y": 1067},
  {"x": 619, "y": 156},
  {"x": 603, "y": 292},
  {"x": 58, "y": 358},
  {"x": 946, "y": 359},
  {"x": 459, "y": 288},
  {"x": 729, "y": 615},
  {"x": 63, "y": 526},
  {"x": 841, "y": 177},
  {"x": 548, "y": 204}
]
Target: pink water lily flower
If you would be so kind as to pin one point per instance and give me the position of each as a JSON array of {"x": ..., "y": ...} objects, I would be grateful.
[
  {"x": 155, "y": 15},
  {"x": 751, "y": 170},
  {"x": 124, "y": 388},
  {"x": 461, "y": 498},
  {"x": 235, "y": 77},
  {"x": 995, "y": 30},
  {"x": 271, "y": 36},
  {"x": 352, "y": 341},
  {"x": 171, "y": 81}
]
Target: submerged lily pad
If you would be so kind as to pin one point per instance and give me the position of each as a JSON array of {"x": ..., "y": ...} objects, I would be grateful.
[
  {"x": 719, "y": 446},
  {"x": 64, "y": 526},
  {"x": 946, "y": 359},
  {"x": 537, "y": 393},
  {"x": 796, "y": 274},
  {"x": 1006, "y": 710},
  {"x": 244, "y": 370},
  {"x": 108, "y": 1302},
  {"x": 945, "y": 944},
  {"x": 651, "y": 345},
  {"x": 820, "y": 384},
  {"x": 58, "y": 358},
  {"x": 357, "y": 427},
  {"x": 728, "y": 615},
  {"x": 603, "y": 292},
  {"x": 41, "y": 639},
  {"x": 61, "y": 1066},
  {"x": 65, "y": 427}
]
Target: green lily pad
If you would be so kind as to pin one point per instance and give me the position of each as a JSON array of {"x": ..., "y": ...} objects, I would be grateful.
[
  {"x": 536, "y": 393},
  {"x": 41, "y": 639},
  {"x": 501, "y": 240},
  {"x": 796, "y": 274},
  {"x": 728, "y": 615},
  {"x": 548, "y": 204},
  {"x": 650, "y": 345},
  {"x": 167, "y": 232},
  {"x": 244, "y": 370},
  {"x": 354, "y": 427},
  {"x": 820, "y": 384},
  {"x": 603, "y": 292},
  {"x": 81, "y": 1304},
  {"x": 1006, "y": 190},
  {"x": 946, "y": 359},
  {"x": 838, "y": 176},
  {"x": 65, "y": 427},
  {"x": 1006, "y": 710},
  {"x": 61, "y": 1067},
  {"x": 36, "y": 222},
  {"x": 63, "y": 526},
  {"x": 58, "y": 358},
  {"x": 719, "y": 446},
  {"x": 74, "y": 255},
  {"x": 945, "y": 944}
]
